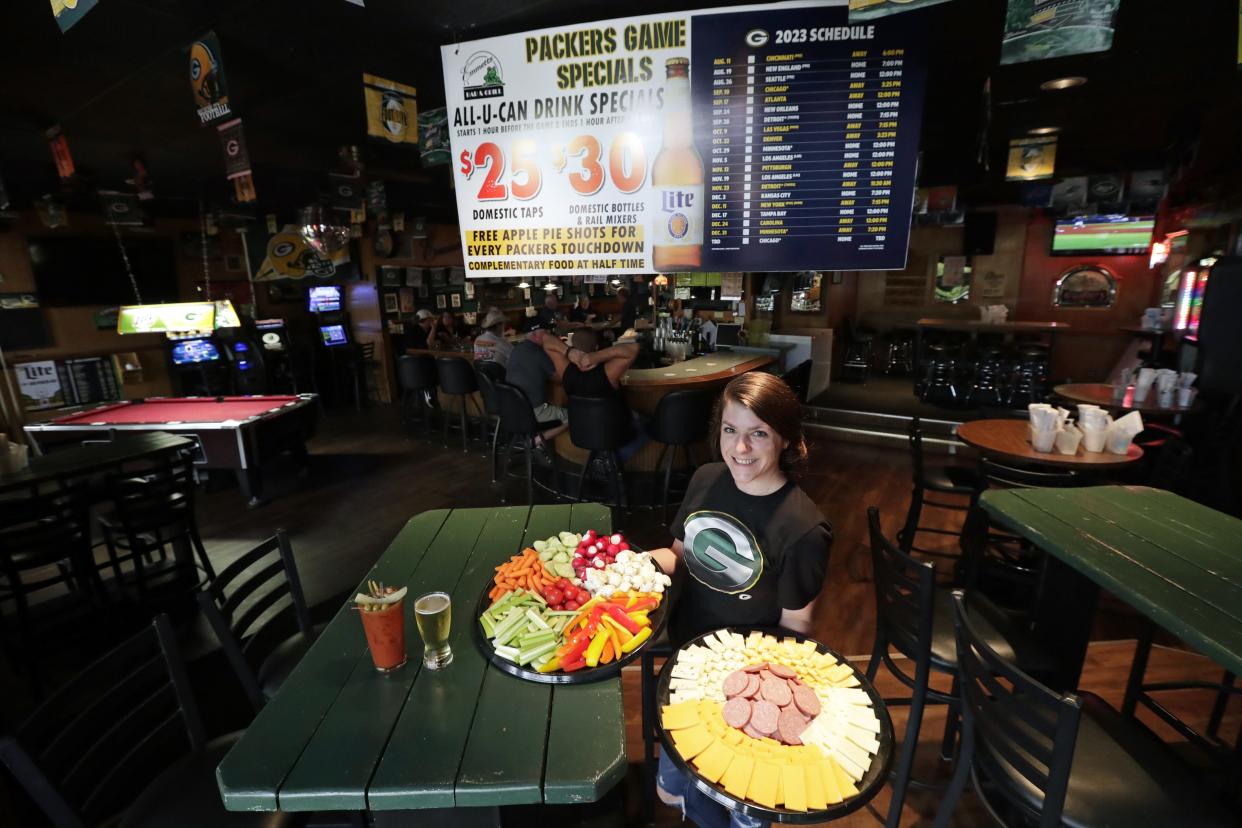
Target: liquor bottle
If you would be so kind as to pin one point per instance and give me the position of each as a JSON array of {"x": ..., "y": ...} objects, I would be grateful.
[{"x": 677, "y": 180}]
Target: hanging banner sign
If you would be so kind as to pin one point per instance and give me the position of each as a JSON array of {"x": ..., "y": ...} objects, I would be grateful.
[
  {"x": 1043, "y": 29},
  {"x": 120, "y": 208},
  {"x": 69, "y": 12},
  {"x": 1031, "y": 159},
  {"x": 211, "y": 95},
  {"x": 233, "y": 142},
  {"x": 433, "y": 137},
  {"x": 288, "y": 255},
  {"x": 392, "y": 110},
  {"x": 178, "y": 317},
  {"x": 756, "y": 138},
  {"x": 871, "y": 9}
]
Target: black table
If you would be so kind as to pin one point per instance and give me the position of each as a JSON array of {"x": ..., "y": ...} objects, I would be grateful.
[{"x": 94, "y": 458}]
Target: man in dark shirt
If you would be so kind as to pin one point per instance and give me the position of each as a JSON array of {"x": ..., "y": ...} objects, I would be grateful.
[
  {"x": 530, "y": 368},
  {"x": 581, "y": 312},
  {"x": 629, "y": 311},
  {"x": 549, "y": 314},
  {"x": 418, "y": 332}
]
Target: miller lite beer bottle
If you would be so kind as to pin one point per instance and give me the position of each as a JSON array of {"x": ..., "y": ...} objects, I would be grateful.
[{"x": 677, "y": 180}]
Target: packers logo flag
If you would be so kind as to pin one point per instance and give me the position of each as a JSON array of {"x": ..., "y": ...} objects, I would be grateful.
[
  {"x": 120, "y": 208},
  {"x": 69, "y": 12},
  {"x": 211, "y": 96},
  {"x": 392, "y": 110},
  {"x": 233, "y": 142}
]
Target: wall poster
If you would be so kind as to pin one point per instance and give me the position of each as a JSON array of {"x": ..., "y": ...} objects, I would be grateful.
[{"x": 757, "y": 138}]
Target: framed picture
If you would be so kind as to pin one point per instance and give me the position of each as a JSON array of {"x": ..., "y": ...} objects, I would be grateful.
[
  {"x": 390, "y": 303},
  {"x": 440, "y": 303},
  {"x": 455, "y": 300},
  {"x": 407, "y": 299},
  {"x": 390, "y": 276},
  {"x": 469, "y": 290}
]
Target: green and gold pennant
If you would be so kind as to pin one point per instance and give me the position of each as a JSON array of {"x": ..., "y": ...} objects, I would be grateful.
[
  {"x": 69, "y": 12},
  {"x": 392, "y": 110}
]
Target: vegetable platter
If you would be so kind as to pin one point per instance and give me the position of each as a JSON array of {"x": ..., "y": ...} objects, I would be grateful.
[
  {"x": 778, "y": 727},
  {"x": 572, "y": 608}
]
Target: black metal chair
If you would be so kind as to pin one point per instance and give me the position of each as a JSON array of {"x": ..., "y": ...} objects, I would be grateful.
[
  {"x": 416, "y": 375},
  {"x": 488, "y": 373},
  {"x": 258, "y": 612},
  {"x": 124, "y": 739},
  {"x": 681, "y": 420},
  {"x": 457, "y": 379},
  {"x": 859, "y": 352},
  {"x": 938, "y": 478},
  {"x": 50, "y": 590},
  {"x": 517, "y": 421},
  {"x": 899, "y": 351},
  {"x": 915, "y": 617},
  {"x": 601, "y": 425},
  {"x": 151, "y": 516},
  {"x": 1041, "y": 757}
]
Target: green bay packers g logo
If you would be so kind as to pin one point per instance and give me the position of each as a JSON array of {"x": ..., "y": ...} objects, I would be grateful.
[{"x": 721, "y": 553}]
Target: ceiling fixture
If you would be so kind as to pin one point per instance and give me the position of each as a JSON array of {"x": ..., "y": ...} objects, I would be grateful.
[
  {"x": 550, "y": 286},
  {"x": 524, "y": 285},
  {"x": 1048, "y": 130},
  {"x": 1068, "y": 82}
]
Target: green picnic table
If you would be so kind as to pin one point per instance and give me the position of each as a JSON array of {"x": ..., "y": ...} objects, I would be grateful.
[
  {"x": 342, "y": 736},
  {"x": 1175, "y": 561}
]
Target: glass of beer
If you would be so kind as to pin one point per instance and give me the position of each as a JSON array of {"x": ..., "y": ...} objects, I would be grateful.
[{"x": 434, "y": 612}]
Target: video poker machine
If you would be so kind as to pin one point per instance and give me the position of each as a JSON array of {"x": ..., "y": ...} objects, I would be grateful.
[{"x": 229, "y": 361}]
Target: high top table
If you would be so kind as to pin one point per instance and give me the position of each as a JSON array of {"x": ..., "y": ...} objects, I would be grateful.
[
  {"x": 94, "y": 458},
  {"x": 342, "y": 736},
  {"x": 1173, "y": 560}
]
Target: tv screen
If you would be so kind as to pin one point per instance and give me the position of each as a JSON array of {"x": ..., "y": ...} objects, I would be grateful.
[
  {"x": 324, "y": 299},
  {"x": 88, "y": 270},
  {"x": 191, "y": 351},
  {"x": 1106, "y": 235},
  {"x": 333, "y": 334}
]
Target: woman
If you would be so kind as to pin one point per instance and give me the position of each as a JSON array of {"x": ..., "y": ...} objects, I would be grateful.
[
  {"x": 447, "y": 333},
  {"x": 754, "y": 546}
]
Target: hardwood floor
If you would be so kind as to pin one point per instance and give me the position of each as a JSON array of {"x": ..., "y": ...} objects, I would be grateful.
[{"x": 367, "y": 478}]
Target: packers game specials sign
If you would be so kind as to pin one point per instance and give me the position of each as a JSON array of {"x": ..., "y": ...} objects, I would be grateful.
[{"x": 764, "y": 138}]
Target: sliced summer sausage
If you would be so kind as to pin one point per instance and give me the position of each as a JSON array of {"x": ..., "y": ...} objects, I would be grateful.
[
  {"x": 753, "y": 668},
  {"x": 750, "y": 731},
  {"x": 782, "y": 671},
  {"x": 752, "y": 686},
  {"x": 764, "y": 717},
  {"x": 735, "y": 683},
  {"x": 736, "y": 712},
  {"x": 789, "y": 726},
  {"x": 806, "y": 701},
  {"x": 776, "y": 691}
]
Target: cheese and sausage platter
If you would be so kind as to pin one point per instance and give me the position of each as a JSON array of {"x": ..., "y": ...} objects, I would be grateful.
[
  {"x": 572, "y": 608},
  {"x": 781, "y": 728}
]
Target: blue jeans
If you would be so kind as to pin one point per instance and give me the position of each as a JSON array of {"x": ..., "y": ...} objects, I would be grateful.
[{"x": 697, "y": 806}]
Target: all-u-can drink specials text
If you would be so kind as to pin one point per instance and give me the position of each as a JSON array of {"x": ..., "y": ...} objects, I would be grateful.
[{"x": 773, "y": 138}]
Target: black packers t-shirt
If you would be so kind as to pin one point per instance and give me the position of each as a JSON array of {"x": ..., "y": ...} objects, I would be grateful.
[{"x": 747, "y": 557}]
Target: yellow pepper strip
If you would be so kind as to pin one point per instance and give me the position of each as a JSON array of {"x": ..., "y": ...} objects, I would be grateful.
[
  {"x": 640, "y": 617},
  {"x": 636, "y": 642},
  {"x": 596, "y": 648},
  {"x": 554, "y": 664},
  {"x": 621, "y": 632}
]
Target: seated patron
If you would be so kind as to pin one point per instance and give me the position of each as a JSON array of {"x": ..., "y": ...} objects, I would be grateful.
[
  {"x": 448, "y": 333},
  {"x": 491, "y": 344},
  {"x": 529, "y": 368},
  {"x": 550, "y": 313},
  {"x": 418, "y": 333},
  {"x": 587, "y": 371},
  {"x": 581, "y": 312}
]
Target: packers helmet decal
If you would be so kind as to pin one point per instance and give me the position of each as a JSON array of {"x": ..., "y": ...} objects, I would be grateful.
[
  {"x": 721, "y": 552},
  {"x": 204, "y": 74},
  {"x": 290, "y": 257}
]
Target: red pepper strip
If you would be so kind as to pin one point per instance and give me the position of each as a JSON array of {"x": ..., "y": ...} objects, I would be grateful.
[
  {"x": 592, "y": 626},
  {"x": 578, "y": 647},
  {"x": 569, "y": 666},
  {"x": 617, "y": 613}
]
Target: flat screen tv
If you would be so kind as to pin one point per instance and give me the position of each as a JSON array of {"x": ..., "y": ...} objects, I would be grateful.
[
  {"x": 324, "y": 299},
  {"x": 333, "y": 335},
  {"x": 1103, "y": 235},
  {"x": 88, "y": 270}
]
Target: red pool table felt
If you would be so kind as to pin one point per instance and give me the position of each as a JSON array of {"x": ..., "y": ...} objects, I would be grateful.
[{"x": 181, "y": 410}]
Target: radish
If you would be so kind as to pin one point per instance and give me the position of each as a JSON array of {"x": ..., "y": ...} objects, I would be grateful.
[{"x": 616, "y": 539}]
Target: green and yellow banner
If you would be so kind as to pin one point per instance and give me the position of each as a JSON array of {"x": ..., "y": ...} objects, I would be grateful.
[
  {"x": 178, "y": 317},
  {"x": 1043, "y": 29},
  {"x": 206, "y": 68},
  {"x": 1032, "y": 159},
  {"x": 69, "y": 12},
  {"x": 392, "y": 110},
  {"x": 871, "y": 9}
]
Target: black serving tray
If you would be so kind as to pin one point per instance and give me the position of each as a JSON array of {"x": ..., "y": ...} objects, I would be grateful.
[
  {"x": 658, "y": 618},
  {"x": 868, "y": 786}
]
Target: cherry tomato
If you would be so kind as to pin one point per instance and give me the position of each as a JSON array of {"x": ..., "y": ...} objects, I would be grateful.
[
  {"x": 583, "y": 596},
  {"x": 573, "y": 605},
  {"x": 555, "y": 596}
]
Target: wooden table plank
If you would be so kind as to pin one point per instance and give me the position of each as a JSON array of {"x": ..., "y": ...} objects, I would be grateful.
[
  {"x": 504, "y": 756},
  {"x": 419, "y": 768},
  {"x": 339, "y": 760},
  {"x": 586, "y": 736},
  {"x": 252, "y": 772},
  {"x": 1152, "y": 593}
]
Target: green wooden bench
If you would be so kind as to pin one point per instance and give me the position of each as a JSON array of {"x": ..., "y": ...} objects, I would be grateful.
[{"x": 342, "y": 736}]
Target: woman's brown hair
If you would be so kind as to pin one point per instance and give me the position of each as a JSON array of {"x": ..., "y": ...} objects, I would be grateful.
[{"x": 771, "y": 400}]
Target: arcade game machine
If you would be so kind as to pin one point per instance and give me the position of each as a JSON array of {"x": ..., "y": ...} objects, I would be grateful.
[
  {"x": 277, "y": 348},
  {"x": 334, "y": 345},
  {"x": 229, "y": 362},
  {"x": 237, "y": 337},
  {"x": 198, "y": 369}
]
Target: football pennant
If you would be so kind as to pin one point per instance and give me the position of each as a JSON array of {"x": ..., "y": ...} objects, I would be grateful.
[
  {"x": 233, "y": 141},
  {"x": 392, "y": 110},
  {"x": 211, "y": 96},
  {"x": 69, "y": 12}
]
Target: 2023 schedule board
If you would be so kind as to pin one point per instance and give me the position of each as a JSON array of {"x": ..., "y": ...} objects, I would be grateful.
[{"x": 755, "y": 138}]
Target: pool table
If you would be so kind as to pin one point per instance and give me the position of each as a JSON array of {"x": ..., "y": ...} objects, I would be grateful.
[{"x": 236, "y": 433}]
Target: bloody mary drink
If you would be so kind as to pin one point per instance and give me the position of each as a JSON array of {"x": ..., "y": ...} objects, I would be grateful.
[{"x": 385, "y": 629}]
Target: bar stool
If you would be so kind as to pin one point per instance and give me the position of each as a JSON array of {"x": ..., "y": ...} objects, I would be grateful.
[
  {"x": 937, "y": 478},
  {"x": 915, "y": 617},
  {"x": 899, "y": 351},
  {"x": 1030, "y": 384},
  {"x": 940, "y": 385},
  {"x": 859, "y": 351},
  {"x": 985, "y": 388},
  {"x": 518, "y": 423},
  {"x": 601, "y": 425},
  {"x": 1062, "y": 758},
  {"x": 457, "y": 379},
  {"x": 681, "y": 420},
  {"x": 488, "y": 373},
  {"x": 416, "y": 375}
]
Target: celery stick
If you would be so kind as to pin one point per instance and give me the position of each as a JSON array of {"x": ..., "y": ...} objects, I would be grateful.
[
  {"x": 527, "y": 655},
  {"x": 489, "y": 629},
  {"x": 537, "y": 638},
  {"x": 510, "y": 653},
  {"x": 536, "y": 620}
]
